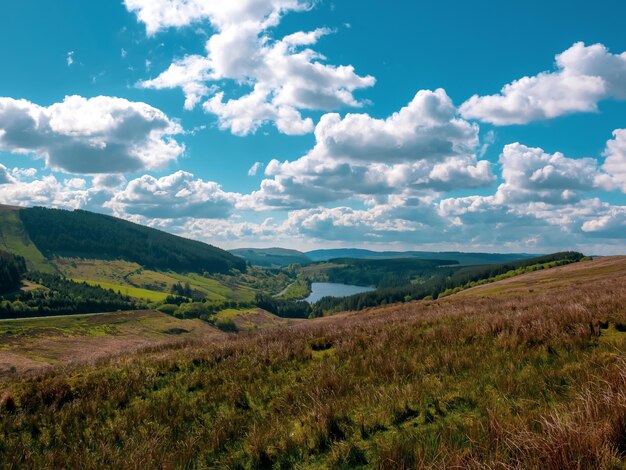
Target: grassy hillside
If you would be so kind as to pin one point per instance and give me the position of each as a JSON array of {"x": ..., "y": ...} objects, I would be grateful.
[
  {"x": 14, "y": 239},
  {"x": 28, "y": 345},
  {"x": 250, "y": 319},
  {"x": 271, "y": 257},
  {"x": 134, "y": 292},
  {"x": 529, "y": 375},
  {"x": 89, "y": 235},
  {"x": 123, "y": 275}
]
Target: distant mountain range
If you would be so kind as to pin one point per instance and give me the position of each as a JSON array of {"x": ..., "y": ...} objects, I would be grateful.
[
  {"x": 271, "y": 257},
  {"x": 276, "y": 257},
  {"x": 462, "y": 257}
]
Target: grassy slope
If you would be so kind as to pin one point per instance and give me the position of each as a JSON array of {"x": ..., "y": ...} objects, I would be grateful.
[
  {"x": 135, "y": 292},
  {"x": 116, "y": 274},
  {"x": 14, "y": 239},
  {"x": 228, "y": 288},
  {"x": 529, "y": 374},
  {"x": 253, "y": 319},
  {"x": 33, "y": 344},
  {"x": 297, "y": 290}
]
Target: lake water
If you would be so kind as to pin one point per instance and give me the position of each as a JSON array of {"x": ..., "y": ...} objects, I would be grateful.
[{"x": 332, "y": 289}]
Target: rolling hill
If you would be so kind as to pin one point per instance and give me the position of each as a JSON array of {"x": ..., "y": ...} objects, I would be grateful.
[
  {"x": 129, "y": 259},
  {"x": 271, "y": 257},
  {"x": 86, "y": 234}
]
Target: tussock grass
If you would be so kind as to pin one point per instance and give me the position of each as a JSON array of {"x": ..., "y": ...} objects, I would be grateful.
[{"x": 470, "y": 381}]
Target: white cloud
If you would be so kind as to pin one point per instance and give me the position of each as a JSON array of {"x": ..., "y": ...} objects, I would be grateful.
[
  {"x": 190, "y": 74},
  {"x": 585, "y": 75},
  {"x": 530, "y": 174},
  {"x": 424, "y": 146},
  {"x": 544, "y": 195},
  {"x": 230, "y": 232},
  {"x": 47, "y": 191},
  {"x": 24, "y": 173},
  {"x": 69, "y": 58},
  {"x": 615, "y": 162},
  {"x": 427, "y": 128},
  {"x": 174, "y": 196},
  {"x": 245, "y": 115},
  {"x": 255, "y": 168},
  {"x": 89, "y": 136},
  {"x": 277, "y": 78},
  {"x": 5, "y": 176},
  {"x": 111, "y": 181},
  {"x": 385, "y": 223},
  {"x": 162, "y": 14},
  {"x": 611, "y": 225}
]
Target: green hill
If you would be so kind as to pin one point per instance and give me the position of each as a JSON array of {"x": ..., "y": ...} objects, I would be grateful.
[
  {"x": 86, "y": 234},
  {"x": 271, "y": 257}
]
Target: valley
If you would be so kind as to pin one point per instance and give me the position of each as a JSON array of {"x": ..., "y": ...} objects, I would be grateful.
[
  {"x": 311, "y": 235},
  {"x": 191, "y": 364}
]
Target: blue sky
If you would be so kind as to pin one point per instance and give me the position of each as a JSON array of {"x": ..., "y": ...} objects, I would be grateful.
[{"x": 91, "y": 118}]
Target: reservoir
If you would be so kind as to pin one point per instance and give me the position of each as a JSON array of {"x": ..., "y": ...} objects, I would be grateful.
[{"x": 332, "y": 289}]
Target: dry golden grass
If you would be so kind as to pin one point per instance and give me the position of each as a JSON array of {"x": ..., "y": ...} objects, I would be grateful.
[{"x": 28, "y": 345}]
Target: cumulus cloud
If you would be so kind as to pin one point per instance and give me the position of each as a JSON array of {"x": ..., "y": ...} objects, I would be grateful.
[
  {"x": 231, "y": 232},
  {"x": 424, "y": 146},
  {"x": 584, "y": 76},
  {"x": 612, "y": 224},
  {"x": 47, "y": 191},
  {"x": 530, "y": 174},
  {"x": 162, "y": 14},
  {"x": 545, "y": 197},
  {"x": 255, "y": 168},
  {"x": 5, "y": 176},
  {"x": 285, "y": 75},
  {"x": 615, "y": 162},
  {"x": 174, "y": 196},
  {"x": 190, "y": 74},
  {"x": 90, "y": 136},
  {"x": 111, "y": 181},
  {"x": 394, "y": 222}
]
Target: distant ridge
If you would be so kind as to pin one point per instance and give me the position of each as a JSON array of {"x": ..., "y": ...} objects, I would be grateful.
[
  {"x": 461, "y": 257},
  {"x": 271, "y": 257}
]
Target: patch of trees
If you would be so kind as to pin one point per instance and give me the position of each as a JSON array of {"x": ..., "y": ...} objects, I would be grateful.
[
  {"x": 284, "y": 308},
  {"x": 202, "y": 310},
  {"x": 384, "y": 273},
  {"x": 61, "y": 296},
  {"x": 182, "y": 290},
  {"x": 12, "y": 268},
  {"x": 90, "y": 235}
]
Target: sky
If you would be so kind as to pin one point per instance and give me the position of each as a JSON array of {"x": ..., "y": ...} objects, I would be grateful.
[{"x": 474, "y": 126}]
